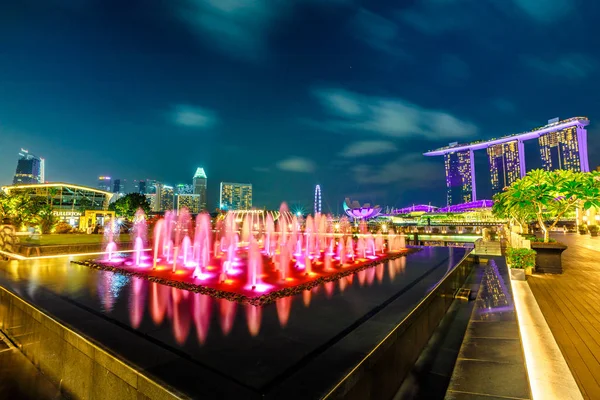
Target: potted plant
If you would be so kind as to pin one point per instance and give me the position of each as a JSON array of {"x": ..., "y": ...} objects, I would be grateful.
[
  {"x": 593, "y": 230},
  {"x": 583, "y": 229},
  {"x": 521, "y": 262},
  {"x": 545, "y": 197}
]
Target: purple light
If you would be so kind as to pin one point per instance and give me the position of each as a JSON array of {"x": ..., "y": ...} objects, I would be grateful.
[
  {"x": 416, "y": 208},
  {"x": 473, "y": 205},
  {"x": 355, "y": 210}
]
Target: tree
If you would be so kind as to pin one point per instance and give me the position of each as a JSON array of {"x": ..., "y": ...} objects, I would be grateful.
[
  {"x": 47, "y": 219},
  {"x": 547, "y": 196},
  {"x": 127, "y": 205},
  {"x": 19, "y": 208}
]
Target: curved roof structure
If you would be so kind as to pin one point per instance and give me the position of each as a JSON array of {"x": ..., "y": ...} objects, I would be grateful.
[
  {"x": 355, "y": 210},
  {"x": 533, "y": 134},
  {"x": 10, "y": 188}
]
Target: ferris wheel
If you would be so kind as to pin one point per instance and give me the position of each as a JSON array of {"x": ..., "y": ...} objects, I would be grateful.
[{"x": 318, "y": 199}]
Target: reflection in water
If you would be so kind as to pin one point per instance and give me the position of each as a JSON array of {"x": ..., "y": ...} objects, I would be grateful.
[
  {"x": 158, "y": 302},
  {"x": 181, "y": 315},
  {"x": 227, "y": 313},
  {"x": 284, "y": 306},
  {"x": 253, "y": 316},
  {"x": 306, "y": 297},
  {"x": 137, "y": 301},
  {"x": 202, "y": 313},
  {"x": 109, "y": 288},
  {"x": 149, "y": 305}
]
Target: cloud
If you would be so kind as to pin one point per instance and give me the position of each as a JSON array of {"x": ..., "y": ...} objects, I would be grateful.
[
  {"x": 437, "y": 17},
  {"x": 193, "y": 116},
  {"x": 297, "y": 164},
  {"x": 368, "y": 147},
  {"x": 238, "y": 28},
  {"x": 393, "y": 117},
  {"x": 546, "y": 11},
  {"x": 505, "y": 106},
  {"x": 401, "y": 169},
  {"x": 572, "y": 66},
  {"x": 340, "y": 102},
  {"x": 378, "y": 32}
]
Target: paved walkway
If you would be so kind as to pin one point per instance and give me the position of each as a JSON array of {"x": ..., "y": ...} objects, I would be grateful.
[{"x": 571, "y": 305}]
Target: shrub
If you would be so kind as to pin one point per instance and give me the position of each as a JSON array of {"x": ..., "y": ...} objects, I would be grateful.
[
  {"x": 520, "y": 258},
  {"x": 593, "y": 228},
  {"x": 63, "y": 227},
  {"x": 583, "y": 229},
  {"x": 452, "y": 228},
  {"x": 469, "y": 229}
]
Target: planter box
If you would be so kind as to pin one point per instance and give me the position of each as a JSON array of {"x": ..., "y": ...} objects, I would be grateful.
[
  {"x": 517, "y": 274},
  {"x": 548, "y": 258}
]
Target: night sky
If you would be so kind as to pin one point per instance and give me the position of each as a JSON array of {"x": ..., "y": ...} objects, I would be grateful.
[{"x": 287, "y": 94}]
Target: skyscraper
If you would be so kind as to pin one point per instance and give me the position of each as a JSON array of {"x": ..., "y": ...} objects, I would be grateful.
[
  {"x": 105, "y": 183},
  {"x": 165, "y": 197},
  {"x": 189, "y": 201},
  {"x": 505, "y": 164},
  {"x": 200, "y": 186},
  {"x": 235, "y": 196},
  {"x": 460, "y": 177},
  {"x": 119, "y": 186},
  {"x": 563, "y": 145},
  {"x": 30, "y": 169},
  {"x": 563, "y": 150}
]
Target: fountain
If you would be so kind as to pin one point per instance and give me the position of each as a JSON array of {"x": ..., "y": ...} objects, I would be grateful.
[{"x": 272, "y": 254}]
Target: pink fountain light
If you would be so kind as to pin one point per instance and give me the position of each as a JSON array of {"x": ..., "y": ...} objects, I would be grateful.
[{"x": 277, "y": 256}]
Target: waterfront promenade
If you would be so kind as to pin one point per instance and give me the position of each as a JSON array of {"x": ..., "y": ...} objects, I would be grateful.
[{"x": 571, "y": 305}]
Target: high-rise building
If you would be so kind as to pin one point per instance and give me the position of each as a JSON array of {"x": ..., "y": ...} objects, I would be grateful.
[
  {"x": 120, "y": 186},
  {"x": 189, "y": 201},
  {"x": 460, "y": 177},
  {"x": 30, "y": 169},
  {"x": 165, "y": 197},
  {"x": 563, "y": 149},
  {"x": 505, "y": 164},
  {"x": 563, "y": 145},
  {"x": 200, "y": 186},
  {"x": 235, "y": 196},
  {"x": 185, "y": 189},
  {"x": 105, "y": 183}
]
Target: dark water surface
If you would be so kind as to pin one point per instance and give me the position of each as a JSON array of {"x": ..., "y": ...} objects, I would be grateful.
[{"x": 174, "y": 333}]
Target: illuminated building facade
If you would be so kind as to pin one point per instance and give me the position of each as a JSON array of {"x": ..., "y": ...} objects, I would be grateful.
[
  {"x": 235, "y": 196},
  {"x": 105, "y": 183},
  {"x": 30, "y": 169},
  {"x": 165, "y": 197},
  {"x": 69, "y": 202},
  {"x": 190, "y": 201},
  {"x": 505, "y": 164},
  {"x": 563, "y": 150},
  {"x": 460, "y": 177},
  {"x": 199, "y": 183},
  {"x": 563, "y": 145}
]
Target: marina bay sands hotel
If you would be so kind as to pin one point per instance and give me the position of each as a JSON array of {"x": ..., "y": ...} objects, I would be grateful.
[{"x": 562, "y": 144}]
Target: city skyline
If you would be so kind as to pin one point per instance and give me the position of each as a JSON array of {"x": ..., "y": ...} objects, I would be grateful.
[{"x": 347, "y": 94}]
